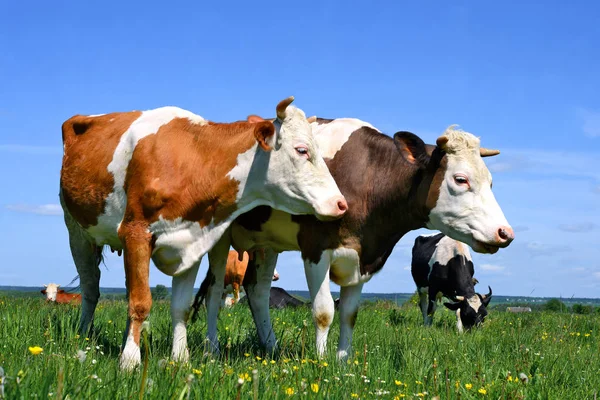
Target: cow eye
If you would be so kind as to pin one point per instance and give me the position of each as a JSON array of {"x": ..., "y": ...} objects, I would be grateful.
[
  {"x": 461, "y": 179},
  {"x": 303, "y": 151}
]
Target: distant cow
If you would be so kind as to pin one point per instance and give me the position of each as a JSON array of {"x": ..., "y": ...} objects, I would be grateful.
[
  {"x": 235, "y": 270},
  {"x": 442, "y": 266},
  {"x": 56, "y": 295},
  {"x": 518, "y": 309},
  {"x": 279, "y": 298}
]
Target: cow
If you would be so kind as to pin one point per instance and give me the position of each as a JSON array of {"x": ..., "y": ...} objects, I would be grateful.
[
  {"x": 393, "y": 185},
  {"x": 235, "y": 270},
  {"x": 279, "y": 298},
  {"x": 442, "y": 266},
  {"x": 165, "y": 184},
  {"x": 59, "y": 296}
]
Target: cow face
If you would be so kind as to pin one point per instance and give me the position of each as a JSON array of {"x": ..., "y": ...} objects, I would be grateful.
[
  {"x": 298, "y": 180},
  {"x": 466, "y": 209},
  {"x": 51, "y": 291},
  {"x": 472, "y": 310}
]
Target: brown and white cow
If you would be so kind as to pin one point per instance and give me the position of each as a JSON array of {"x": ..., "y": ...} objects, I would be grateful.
[
  {"x": 166, "y": 184},
  {"x": 393, "y": 186},
  {"x": 59, "y": 296},
  {"x": 235, "y": 270}
]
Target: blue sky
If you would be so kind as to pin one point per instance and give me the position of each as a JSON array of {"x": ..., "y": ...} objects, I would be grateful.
[{"x": 523, "y": 77}]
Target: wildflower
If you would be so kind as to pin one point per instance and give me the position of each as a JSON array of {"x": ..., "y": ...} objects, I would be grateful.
[
  {"x": 198, "y": 372},
  {"x": 420, "y": 394},
  {"x": 418, "y": 382},
  {"x": 295, "y": 368},
  {"x": 228, "y": 371},
  {"x": 94, "y": 361},
  {"x": 240, "y": 381},
  {"x": 87, "y": 338},
  {"x": 468, "y": 386},
  {"x": 272, "y": 361},
  {"x": 286, "y": 360},
  {"x": 400, "y": 396},
  {"x": 354, "y": 395},
  {"x": 355, "y": 362},
  {"x": 35, "y": 350},
  {"x": 482, "y": 391},
  {"x": 457, "y": 384},
  {"x": 324, "y": 364},
  {"x": 398, "y": 383},
  {"x": 289, "y": 391},
  {"x": 246, "y": 354},
  {"x": 264, "y": 362},
  {"x": 245, "y": 377},
  {"x": 587, "y": 335},
  {"x": 258, "y": 358}
]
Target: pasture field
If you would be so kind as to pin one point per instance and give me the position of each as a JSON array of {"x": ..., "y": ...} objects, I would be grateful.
[{"x": 557, "y": 355}]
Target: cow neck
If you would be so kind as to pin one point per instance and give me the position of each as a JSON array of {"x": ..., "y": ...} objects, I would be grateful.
[
  {"x": 460, "y": 271},
  {"x": 397, "y": 196}
]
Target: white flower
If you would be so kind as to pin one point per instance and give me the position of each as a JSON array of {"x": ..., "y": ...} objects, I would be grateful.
[
  {"x": 81, "y": 356},
  {"x": 94, "y": 361}
]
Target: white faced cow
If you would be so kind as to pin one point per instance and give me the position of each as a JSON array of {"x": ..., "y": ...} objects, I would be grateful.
[
  {"x": 392, "y": 185},
  {"x": 442, "y": 266},
  {"x": 166, "y": 184}
]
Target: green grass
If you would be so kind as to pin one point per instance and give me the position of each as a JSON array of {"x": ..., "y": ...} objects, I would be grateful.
[{"x": 394, "y": 356}]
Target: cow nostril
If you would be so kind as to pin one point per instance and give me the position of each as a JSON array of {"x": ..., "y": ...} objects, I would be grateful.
[
  {"x": 342, "y": 205},
  {"x": 502, "y": 233}
]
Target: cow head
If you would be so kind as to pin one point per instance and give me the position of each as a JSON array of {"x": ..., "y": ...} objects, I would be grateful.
[
  {"x": 471, "y": 310},
  {"x": 459, "y": 200},
  {"x": 51, "y": 291},
  {"x": 275, "y": 275},
  {"x": 297, "y": 180}
]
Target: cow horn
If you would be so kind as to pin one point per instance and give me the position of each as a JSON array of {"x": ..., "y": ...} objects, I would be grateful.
[
  {"x": 441, "y": 142},
  {"x": 45, "y": 285},
  {"x": 281, "y": 107},
  {"x": 485, "y": 296},
  {"x": 488, "y": 152},
  {"x": 458, "y": 298},
  {"x": 312, "y": 119}
]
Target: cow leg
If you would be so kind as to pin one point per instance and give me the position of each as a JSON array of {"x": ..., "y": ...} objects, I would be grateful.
[
  {"x": 137, "y": 250},
  {"x": 87, "y": 257},
  {"x": 257, "y": 285},
  {"x": 317, "y": 277},
  {"x": 183, "y": 292},
  {"x": 459, "y": 324},
  {"x": 349, "y": 301},
  {"x": 217, "y": 259},
  {"x": 424, "y": 305},
  {"x": 431, "y": 309}
]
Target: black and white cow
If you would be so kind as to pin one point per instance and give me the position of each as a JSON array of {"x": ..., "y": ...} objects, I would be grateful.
[{"x": 442, "y": 266}]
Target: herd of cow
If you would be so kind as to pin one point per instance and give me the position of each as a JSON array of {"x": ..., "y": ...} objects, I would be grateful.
[{"x": 171, "y": 186}]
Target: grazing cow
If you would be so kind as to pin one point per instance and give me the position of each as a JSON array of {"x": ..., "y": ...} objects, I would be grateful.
[
  {"x": 442, "y": 266},
  {"x": 166, "y": 184},
  {"x": 235, "y": 270},
  {"x": 393, "y": 186},
  {"x": 280, "y": 299},
  {"x": 59, "y": 296}
]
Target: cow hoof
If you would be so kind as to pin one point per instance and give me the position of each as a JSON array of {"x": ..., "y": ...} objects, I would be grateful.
[
  {"x": 181, "y": 356},
  {"x": 342, "y": 355},
  {"x": 129, "y": 363}
]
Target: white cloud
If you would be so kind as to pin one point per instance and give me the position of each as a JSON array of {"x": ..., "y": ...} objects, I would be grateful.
[
  {"x": 44, "y": 209},
  {"x": 27, "y": 149},
  {"x": 591, "y": 122},
  {"x": 541, "y": 249},
  {"x": 577, "y": 227},
  {"x": 491, "y": 268}
]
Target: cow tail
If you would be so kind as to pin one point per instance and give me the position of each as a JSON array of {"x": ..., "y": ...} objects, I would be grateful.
[{"x": 201, "y": 294}]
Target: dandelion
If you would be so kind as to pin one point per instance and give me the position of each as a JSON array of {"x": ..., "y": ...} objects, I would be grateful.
[
  {"x": 295, "y": 368},
  {"x": 289, "y": 391},
  {"x": 418, "y": 382},
  {"x": 355, "y": 362},
  {"x": 272, "y": 361},
  {"x": 482, "y": 391},
  {"x": 240, "y": 381},
  {"x": 246, "y": 354},
  {"x": 398, "y": 383},
  {"x": 198, "y": 372},
  {"x": 264, "y": 362},
  {"x": 325, "y": 364},
  {"x": 468, "y": 386},
  {"x": 35, "y": 350},
  {"x": 314, "y": 387},
  {"x": 354, "y": 395},
  {"x": 258, "y": 358}
]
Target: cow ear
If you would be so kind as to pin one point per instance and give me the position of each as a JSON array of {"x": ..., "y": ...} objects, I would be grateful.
[
  {"x": 253, "y": 119},
  {"x": 452, "y": 306},
  {"x": 60, "y": 291},
  {"x": 43, "y": 291},
  {"x": 412, "y": 148},
  {"x": 264, "y": 131}
]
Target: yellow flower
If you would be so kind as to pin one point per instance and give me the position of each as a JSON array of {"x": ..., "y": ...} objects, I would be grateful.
[
  {"x": 272, "y": 361},
  {"x": 246, "y": 355},
  {"x": 398, "y": 383},
  {"x": 264, "y": 362},
  {"x": 400, "y": 396},
  {"x": 197, "y": 371},
  {"x": 258, "y": 358},
  {"x": 228, "y": 371},
  {"x": 457, "y": 384},
  {"x": 355, "y": 362},
  {"x": 325, "y": 364},
  {"x": 295, "y": 368},
  {"x": 468, "y": 386},
  {"x": 314, "y": 387},
  {"x": 418, "y": 382},
  {"x": 35, "y": 350},
  {"x": 245, "y": 377},
  {"x": 482, "y": 391},
  {"x": 587, "y": 335},
  {"x": 354, "y": 395},
  {"x": 289, "y": 391}
]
